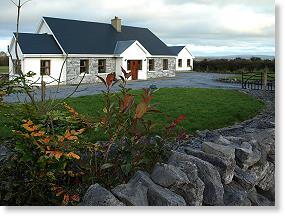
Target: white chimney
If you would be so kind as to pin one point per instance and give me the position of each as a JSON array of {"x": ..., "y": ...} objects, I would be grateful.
[{"x": 116, "y": 23}]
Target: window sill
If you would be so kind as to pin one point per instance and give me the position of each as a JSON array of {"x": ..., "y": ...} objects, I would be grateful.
[{"x": 87, "y": 74}]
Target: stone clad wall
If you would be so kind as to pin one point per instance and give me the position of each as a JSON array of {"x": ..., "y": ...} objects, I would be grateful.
[
  {"x": 73, "y": 75},
  {"x": 158, "y": 68}
]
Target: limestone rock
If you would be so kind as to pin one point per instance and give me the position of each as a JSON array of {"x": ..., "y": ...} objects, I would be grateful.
[
  {"x": 235, "y": 195},
  {"x": 223, "y": 141},
  {"x": 96, "y": 195},
  {"x": 225, "y": 166},
  {"x": 236, "y": 129},
  {"x": 268, "y": 181},
  {"x": 167, "y": 175},
  {"x": 141, "y": 191},
  {"x": 218, "y": 150},
  {"x": 194, "y": 196},
  {"x": 265, "y": 138},
  {"x": 246, "y": 179},
  {"x": 246, "y": 157},
  {"x": 158, "y": 196},
  {"x": 135, "y": 191},
  {"x": 237, "y": 141},
  {"x": 259, "y": 200},
  {"x": 214, "y": 191},
  {"x": 260, "y": 169}
]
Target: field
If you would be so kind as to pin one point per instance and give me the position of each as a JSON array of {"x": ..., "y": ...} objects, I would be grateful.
[{"x": 4, "y": 69}]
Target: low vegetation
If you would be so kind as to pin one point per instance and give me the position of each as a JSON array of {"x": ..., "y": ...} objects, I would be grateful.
[{"x": 235, "y": 66}]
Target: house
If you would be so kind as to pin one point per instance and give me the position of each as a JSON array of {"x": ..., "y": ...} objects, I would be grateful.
[
  {"x": 75, "y": 49},
  {"x": 184, "y": 58}
]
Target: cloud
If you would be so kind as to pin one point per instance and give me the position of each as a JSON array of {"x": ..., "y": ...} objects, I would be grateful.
[
  {"x": 200, "y": 50},
  {"x": 4, "y": 44},
  {"x": 200, "y": 22}
]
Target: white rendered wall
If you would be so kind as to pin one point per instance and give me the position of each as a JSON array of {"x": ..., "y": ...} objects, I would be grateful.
[
  {"x": 33, "y": 64},
  {"x": 184, "y": 55},
  {"x": 135, "y": 52},
  {"x": 119, "y": 62},
  {"x": 13, "y": 54}
]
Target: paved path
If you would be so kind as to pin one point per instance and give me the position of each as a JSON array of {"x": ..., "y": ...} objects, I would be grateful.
[{"x": 190, "y": 80}]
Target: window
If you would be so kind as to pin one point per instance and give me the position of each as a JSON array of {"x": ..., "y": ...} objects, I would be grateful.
[
  {"x": 165, "y": 64},
  {"x": 45, "y": 67},
  {"x": 179, "y": 62},
  {"x": 139, "y": 64},
  {"x": 17, "y": 67},
  {"x": 188, "y": 62},
  {"x": 151, "y": 64},
  {"x": 102, "y": 66},
  {"x": 84, "y": 66}
]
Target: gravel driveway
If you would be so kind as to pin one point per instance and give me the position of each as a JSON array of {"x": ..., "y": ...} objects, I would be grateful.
[{"x": 190, "y": 79}]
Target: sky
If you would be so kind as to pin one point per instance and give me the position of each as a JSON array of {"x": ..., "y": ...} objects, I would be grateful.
[{"x": 210, "y": 27}]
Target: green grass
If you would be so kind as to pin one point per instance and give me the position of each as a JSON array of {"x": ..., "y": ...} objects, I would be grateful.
[
  {"x": 4, "y": 69},
  {"x": 204, "y": 108}
]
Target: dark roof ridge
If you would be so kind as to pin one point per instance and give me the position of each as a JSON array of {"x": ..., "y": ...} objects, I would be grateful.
[{"x": 86, "y": 21}]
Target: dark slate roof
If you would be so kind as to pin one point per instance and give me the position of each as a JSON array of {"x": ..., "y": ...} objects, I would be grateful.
[
  {"x": 121, "y": 46},
  {"x": 81, "y": 37},
  {"x": 38, "y": 44},
  {"x": 176, "y": 49}
]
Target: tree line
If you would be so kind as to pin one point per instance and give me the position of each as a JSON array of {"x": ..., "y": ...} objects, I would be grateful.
[
  {"x": 236, "y": 65},
  {"x": 4, "y": 60}
]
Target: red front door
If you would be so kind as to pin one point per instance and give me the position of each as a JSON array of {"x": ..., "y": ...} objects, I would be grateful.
[{"x": 134, "y": 69}]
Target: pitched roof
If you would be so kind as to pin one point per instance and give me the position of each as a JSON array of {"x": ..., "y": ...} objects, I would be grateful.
[
  {"x": 82, "y": 37},
  {"x": 121, "y": 46},
  {"x": 176, "y": 49},
  {"x": 38, "y": 44}
]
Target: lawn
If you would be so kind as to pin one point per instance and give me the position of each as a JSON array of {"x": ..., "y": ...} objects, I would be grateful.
[
  {"x": 4, "y": 69},
  {"x": 204, "y": 108}
]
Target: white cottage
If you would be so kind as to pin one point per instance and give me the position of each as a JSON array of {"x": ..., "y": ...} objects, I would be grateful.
[
  {"x": 79, "y": 47},
  {"x": 184, "y": 58}
]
